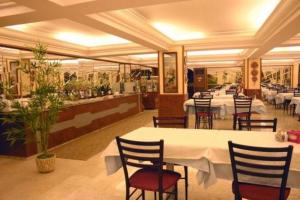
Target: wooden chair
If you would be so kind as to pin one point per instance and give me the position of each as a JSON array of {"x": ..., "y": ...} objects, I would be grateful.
[
  {"x": 174, "y": 122},
  {"x": 228, "y": 92},
  {"x": 148, "y": 157},
  {"x": 250, "y": 124},
  {"x": 170, "y": 122},
  {"x": 260, "y": 163},
  {"x": 292, "y": 107},
  {"x": 242, "y": 109},
  {"x": 203, "y": 111}
]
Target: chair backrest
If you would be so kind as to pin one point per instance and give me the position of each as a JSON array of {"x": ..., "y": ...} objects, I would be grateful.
[
  {"x": 202, "y": 105},
  {"x": 242, "y": 105},
  {"x": 296, "y": 93},
  {"x": 258, "y": 124},
  {"x": 260, "y": 163},
  {"x": 170, "y": 122},
  {"x": 141, "y": 155},
  {"x": 207, "y": 96},
  {"x": 230, "y": 92}
]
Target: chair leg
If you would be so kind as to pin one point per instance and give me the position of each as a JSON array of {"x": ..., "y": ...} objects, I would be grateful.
[
  {"x": 154, "y": 195},
  {"x": 186, "y": 181},
  {"x": 160, "y": 195},
  {"x": 143, "y": 194},
  {"x": 176, "y": 192},
  {"x": 211, "y": 122},
  {"x": 127, "y": 193},
  {"x": 234, "y": 122}
]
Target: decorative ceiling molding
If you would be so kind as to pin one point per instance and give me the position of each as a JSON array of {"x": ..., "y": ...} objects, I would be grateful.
[{"x": 283, "y": 24}]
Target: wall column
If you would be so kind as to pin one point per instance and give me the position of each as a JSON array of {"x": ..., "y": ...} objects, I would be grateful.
[
  {"x": 171, "y": 97},
  {"x": 295, "y": 75},
  {"x": 252, "y": 77}
]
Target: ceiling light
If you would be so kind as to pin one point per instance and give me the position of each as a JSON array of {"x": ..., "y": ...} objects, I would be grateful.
[
  {"x": 69, "y": 61},
  {"x": 145, "y": 56},
  {"x": 89, "y": 41},
  {"x": 278, "y": 61},
  {"x": 20, "y": 27},
  {"x": 259, "y": 14},
  {"x": 176, "y": 33},
  {"x": 215, "y": 52},
  {"x": 214, "y": 62},
  {"x": 283, "y": 49}
]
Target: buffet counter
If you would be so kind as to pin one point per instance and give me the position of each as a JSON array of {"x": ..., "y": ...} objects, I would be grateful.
[{"x": 81, "y": 117}]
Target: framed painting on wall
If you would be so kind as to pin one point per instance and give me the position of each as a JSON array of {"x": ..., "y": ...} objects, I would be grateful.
[
  {"x": 13, "y": 77},
  {"x": 170, "y": 76}
]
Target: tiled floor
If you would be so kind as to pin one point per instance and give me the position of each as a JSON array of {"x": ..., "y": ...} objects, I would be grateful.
[{"x": 81, "y": 174}]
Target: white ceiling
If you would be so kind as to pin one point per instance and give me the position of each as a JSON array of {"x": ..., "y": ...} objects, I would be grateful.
[
  {"x": 114, "y": 29},
  {"x": 212, "y": 18}
]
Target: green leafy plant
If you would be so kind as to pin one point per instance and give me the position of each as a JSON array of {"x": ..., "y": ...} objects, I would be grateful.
[{"x": 43, "y": 108}]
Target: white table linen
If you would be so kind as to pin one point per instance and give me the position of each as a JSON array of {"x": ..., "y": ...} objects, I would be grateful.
[
  {"x": 204, "y": 150},
  {"x": 296, "y": 101},
  {"x": 281, "y": 97},
  {"x": 269, "y": 94},
  {"x": 226, "y": 106}
]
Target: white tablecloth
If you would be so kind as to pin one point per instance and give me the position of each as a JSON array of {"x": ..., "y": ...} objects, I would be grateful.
[
  {"x": 269, "y": 94},
  {"x": 296, "y": 101},
  {"x": 280, "y": 97},
  {"x": 226, "y": 106},
  {"x": 204, "y": 150}
]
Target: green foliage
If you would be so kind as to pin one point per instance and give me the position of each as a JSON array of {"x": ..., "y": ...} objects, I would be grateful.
[{"x": 43, "y": 108}]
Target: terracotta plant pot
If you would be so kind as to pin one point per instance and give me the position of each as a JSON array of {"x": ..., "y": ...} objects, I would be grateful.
[{"x": 45, "y": 165}]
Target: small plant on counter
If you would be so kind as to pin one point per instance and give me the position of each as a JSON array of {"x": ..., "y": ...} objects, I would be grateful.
[{"x": 42, "y": 109}]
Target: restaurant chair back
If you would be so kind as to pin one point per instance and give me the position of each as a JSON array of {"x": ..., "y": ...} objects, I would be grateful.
[
  {"x": 174, "y": 122},
  {"x": 260, "y": 164},
  {"x": 228, "y": 92},
  {"x": 296, "y": 93},
  {"x": 203, "y": 110},
  {"x": 242, "y": 109},
  {"x": 170, "y": 122},
  {"x": 250, "y": 124},
  {"x": 150, "y": 176}
]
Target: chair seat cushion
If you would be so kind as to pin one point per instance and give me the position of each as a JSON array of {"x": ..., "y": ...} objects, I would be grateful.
[
  {"x": 260, "y": 192},
  {"x": 204, "y": 114},
  {"x": 241, "y": 114},
  {"x": 147, "y": 179}
]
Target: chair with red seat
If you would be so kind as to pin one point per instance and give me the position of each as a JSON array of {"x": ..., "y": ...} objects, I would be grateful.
[
  {"x": 150, "y": 176},
  {"x": 203, "y": 111},
  {"x": 174, "y": 122},
  {"x": 260, "y": 164},
  {"x": 242, "y": 109}
]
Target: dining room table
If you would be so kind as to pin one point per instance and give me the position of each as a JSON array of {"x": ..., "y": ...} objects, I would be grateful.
[
  {"x": 205, "y": 151},
  {"x": 225, "y": 106},
  {"x": 281, "y": 97}
]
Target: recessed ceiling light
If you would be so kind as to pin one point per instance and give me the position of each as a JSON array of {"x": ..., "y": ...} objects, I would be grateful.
[
  {"x": 259, "y": 14},
  {"x": 215, "y": 52},
  {"x": 176, "y": 33},
  {"x": 89, "y": 41},
  {"x": 283, "y": 49},
  {"x": 214, "y": 62},
  {"x": 145, "y": 56},
  {"x": 278, "y": 61},
  {"x": 20, "y": 27}
]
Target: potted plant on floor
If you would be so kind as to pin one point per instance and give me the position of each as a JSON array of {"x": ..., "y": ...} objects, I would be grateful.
[{"x": 42, "y": 109}]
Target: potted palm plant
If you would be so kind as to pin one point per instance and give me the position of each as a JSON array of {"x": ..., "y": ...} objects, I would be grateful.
[{"x": 41, "y": 111}]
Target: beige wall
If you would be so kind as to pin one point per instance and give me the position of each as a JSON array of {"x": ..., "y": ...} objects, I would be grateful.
[{"x": 295, "y": 71}]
